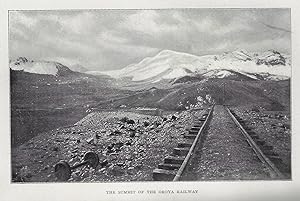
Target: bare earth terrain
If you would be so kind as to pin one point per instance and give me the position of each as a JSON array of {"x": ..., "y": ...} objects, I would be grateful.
[
  {"x": 224, "y": 154},
  {"x": 127, "y": 151}
]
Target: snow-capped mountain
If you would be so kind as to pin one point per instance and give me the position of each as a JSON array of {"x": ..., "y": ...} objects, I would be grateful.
[
  {"x": 169, "y": 64},
  {"x": 165, "y": 65},
  {"x": 272, "y": 58},
  {"x": 39, "y": 67},
  {"x": 228, "y": 74}
]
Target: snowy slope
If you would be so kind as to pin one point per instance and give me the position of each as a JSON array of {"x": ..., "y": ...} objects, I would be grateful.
[
  {"x": 38, "y": 67},
  {"x": 170, "y": 64},
  {"x": 218, "y": 74}
]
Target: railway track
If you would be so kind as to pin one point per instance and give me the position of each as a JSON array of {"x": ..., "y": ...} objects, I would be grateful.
[{"x": 218, "y": 146}]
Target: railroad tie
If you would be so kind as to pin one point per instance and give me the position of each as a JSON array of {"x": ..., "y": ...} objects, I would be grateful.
[
  {"x": 167, "y": 166},
  {"x": 193, "y": 132},
  {"x": 181, "y": 151},
  {"x": 174, "y": 160},
  {"x": 181, "y": 145},
  {"x": 190, "y": 136},
  {"x": 171, "y": 168},
  {"x": 163, "y": 175}
]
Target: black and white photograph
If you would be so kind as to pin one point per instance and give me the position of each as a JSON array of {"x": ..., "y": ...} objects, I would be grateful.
[{"x": 150, "y": 95}]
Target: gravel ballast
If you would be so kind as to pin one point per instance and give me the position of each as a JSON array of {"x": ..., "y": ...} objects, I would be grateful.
[{"x": 224, "y": 154}]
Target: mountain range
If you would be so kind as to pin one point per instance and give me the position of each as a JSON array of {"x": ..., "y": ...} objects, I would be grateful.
[
  {"x": 48, "y": 94},
  {"x": 170, "y": 65},
  {"x": 167, "y": 65}
]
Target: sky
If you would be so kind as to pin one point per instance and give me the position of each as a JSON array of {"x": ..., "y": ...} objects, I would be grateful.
[{"x": 112, "y": 39}]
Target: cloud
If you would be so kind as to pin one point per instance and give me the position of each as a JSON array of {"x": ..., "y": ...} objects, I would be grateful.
[
  {"x": 147, "y": 22},
  {"x": 81, "y": 23},
  {"x": 142, "y": 21},
  {"x": 17, "y": 18},
  {"x": 111, "y": 39}
]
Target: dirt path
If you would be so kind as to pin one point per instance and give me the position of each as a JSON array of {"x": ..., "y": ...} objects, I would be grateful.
[{"x": 224, "y": 154}]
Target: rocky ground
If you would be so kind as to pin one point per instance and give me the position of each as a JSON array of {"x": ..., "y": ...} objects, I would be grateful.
[
  {"x": 129, "y": 146},
  {"x": 274, "y": 127},
  {"x": 224, "y": 154}
]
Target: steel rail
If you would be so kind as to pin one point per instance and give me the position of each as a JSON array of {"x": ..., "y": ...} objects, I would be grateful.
[
  {"x": 190, "y": 153},
  {"x": 274, "y": 172}
]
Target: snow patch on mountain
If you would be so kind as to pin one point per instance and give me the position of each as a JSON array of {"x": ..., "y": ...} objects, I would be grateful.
[
  {"x": 169, "y": 64},
  {"x": 37, "y": 67},
  {"x": 178, "y": 72},
  {"x": 218, "y": 74}
]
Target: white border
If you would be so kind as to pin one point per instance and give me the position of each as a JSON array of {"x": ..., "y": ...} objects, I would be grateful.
[{"x": 252, "y": 190}]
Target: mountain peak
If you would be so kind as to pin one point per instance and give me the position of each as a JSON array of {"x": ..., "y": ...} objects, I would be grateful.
[
  {"x": 166, "y": 52},
  {"x": 39, "y": 67},
  {"x": 21, "y": 60},
  {"x": 170, "y": 53}
]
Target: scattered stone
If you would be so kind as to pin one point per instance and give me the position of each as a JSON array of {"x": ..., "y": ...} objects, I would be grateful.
[
  {"x": 109, "y": 147},
  {"x": 45, "y": 168},
  {"x": 124, "y": 119},
  {"x": 119, "y": 145},
  {"x": 102, "y": 170},
  {"x": 90, "y": 140},
  {"x": 173, "y": 117},
  {"x": 286, "y": 126},
  {"x": 146, "y": 123},
  {"x": 116, "y": 171},
  {"x": 156, "y": 123},
  {"x": 97, "y": 136},
  {"x": 54, "y": 148},
  {"x": 110, "y": 151},
  {"x": 74, "y": 150},
  {"x": 104, "y": 163},
  {"x": 130, "y": 121},
  {"x": 151, "y": 127},
  {"x": 116, "y": 132}
]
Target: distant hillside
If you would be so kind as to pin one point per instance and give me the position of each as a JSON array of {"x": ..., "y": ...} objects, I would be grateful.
[
  {"x": 41, "y": 102},
  {"x": 197, "y": 94}
]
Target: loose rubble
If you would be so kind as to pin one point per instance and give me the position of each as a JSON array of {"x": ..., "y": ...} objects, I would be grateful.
[
  {"x": 129, "y": 146},
  {"x": 271, "y": 126}
]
